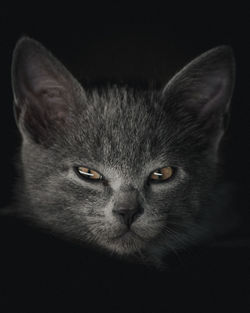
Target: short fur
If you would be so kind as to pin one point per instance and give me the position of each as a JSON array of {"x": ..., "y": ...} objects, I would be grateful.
[{"x": 124, "y": 134}]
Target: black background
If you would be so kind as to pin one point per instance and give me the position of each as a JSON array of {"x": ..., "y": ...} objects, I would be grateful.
[{"x": 126, "y": 44}]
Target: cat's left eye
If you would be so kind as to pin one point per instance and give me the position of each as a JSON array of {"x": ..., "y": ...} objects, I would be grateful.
[
  {"x": 161, "y": 174},
  {"x": 88, "y": 173}
]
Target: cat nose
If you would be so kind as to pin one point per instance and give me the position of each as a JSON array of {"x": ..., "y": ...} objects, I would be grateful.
[{"x": 127, "y": 215}]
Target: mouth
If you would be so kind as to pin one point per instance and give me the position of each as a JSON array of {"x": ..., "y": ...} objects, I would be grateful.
[
  {"x": 125, "y": 242},
  {"x": 128, "y": 234}
]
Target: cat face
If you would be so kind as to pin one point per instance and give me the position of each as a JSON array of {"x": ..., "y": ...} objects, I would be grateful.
[{"x": 129, "y": 171}]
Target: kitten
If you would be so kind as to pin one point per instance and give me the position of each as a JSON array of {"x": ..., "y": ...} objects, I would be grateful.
[{"x": 131, "y": 172}]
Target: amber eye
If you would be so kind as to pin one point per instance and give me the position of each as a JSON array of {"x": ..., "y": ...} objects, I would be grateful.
[
  {"x": 161, "y": 174},
  {"x": 88, "y": 173}
]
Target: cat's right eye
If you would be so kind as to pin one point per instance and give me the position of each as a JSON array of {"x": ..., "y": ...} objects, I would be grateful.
[{"x": 87, "y": 173}]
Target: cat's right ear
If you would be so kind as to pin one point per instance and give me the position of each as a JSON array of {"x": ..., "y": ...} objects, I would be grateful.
[{"x": 44, "y": 91}]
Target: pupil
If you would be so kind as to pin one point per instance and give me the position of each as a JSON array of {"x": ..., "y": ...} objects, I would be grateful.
[
  {"x": 159, "y": 174},
  {"x": 86, "y": 172}
]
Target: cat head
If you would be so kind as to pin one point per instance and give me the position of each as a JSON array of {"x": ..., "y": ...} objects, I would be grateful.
[{"x": 126, "y": 170}]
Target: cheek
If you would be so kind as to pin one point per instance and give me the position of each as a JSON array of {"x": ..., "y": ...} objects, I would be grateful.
[
  {"x": 157, "y": 201},
  {"x": 72, "y": 197},
  {"x": 107, "y": 211},
  {"x": 181, "y": 199}
]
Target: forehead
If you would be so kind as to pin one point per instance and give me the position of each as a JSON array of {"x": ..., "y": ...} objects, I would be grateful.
[{"x": 122, "y": 127}]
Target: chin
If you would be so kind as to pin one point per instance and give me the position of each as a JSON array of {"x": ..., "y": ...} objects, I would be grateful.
[{"x": 126, "y": 244}]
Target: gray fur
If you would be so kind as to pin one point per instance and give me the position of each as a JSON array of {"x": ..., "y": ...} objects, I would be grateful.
[{"x": 125, "y": 134}]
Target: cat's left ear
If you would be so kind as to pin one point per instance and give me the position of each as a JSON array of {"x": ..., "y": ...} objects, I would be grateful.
[{"x": 204, "y": 86}]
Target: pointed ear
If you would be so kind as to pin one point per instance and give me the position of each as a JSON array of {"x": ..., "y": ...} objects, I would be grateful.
[
  {"x": 204, "y": 87},
  {"x": 44, "y": 91}
]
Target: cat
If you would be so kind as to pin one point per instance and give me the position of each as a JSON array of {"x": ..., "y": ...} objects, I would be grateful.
[{"x": 131, "y": 172}]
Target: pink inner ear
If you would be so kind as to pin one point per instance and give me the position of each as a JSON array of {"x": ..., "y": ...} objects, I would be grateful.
[
  {"x": 49, "y": 89},
  {"x": 55, "y": 112},
  {"x": 216, "y": 96},
  {"x": 55, "y": 104},
  {"x": 61, "y": 115},
  {"x": 42, "y": 76},
  {"x": 44, "y": 115}
]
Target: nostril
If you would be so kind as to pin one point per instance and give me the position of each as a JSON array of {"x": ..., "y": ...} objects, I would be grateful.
[{"x": 127, "y": 215}]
